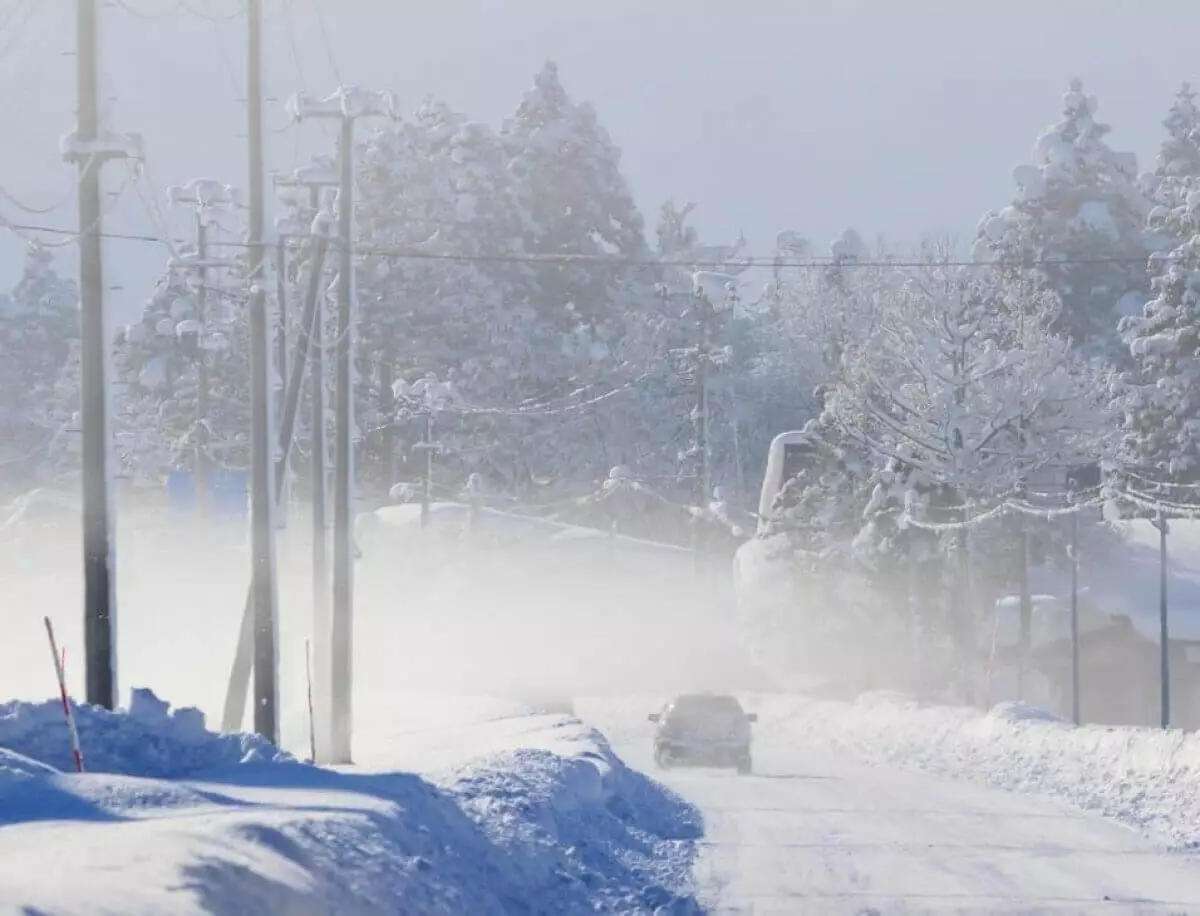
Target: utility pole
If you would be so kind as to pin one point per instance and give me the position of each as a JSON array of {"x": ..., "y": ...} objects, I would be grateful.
[
  {"x": 345, "y": 106},
  {"x": 1025, "y": 609},
  {"x": 704, "y": 308},
  {"x": 1164, "y": 632},
  {"x": 315, "y": 179},
  {"x": 281, "y": 319},
  {"x": 1075, "y": 711},
  {"x": 427, "y": 447},
  {"x": 262, "y": 499},
  {"x": 243, "y": 660},
  {"x": 200, "y": 470},
  {"x": 209, "y": 199},
  {"x": 89, "y": 147},
  {"x": 387, "y": 408},
  {"x": 280, "y": 360},
  {"x": 1078, "y": 480}
]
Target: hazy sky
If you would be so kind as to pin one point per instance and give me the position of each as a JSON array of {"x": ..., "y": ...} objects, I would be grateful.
[{"x": 902, "y": 118}]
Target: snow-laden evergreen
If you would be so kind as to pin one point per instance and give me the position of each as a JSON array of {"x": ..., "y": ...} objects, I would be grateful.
[
  {"x": 160, "y": 362},
  {"x": 1179, "y": 155},
  {"x": 39, "y": 331},
  {"x": 1078, "y": 202},
  {"x": 1160, "y": 396}
]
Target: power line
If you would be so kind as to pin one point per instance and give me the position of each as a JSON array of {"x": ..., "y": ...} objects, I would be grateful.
[
  {"x": 37, "y": 211},
  {"x": 325, "y": 40},
  {"x": 179, "y": 6},
  {"x": 289, "y": 23},
  {"x": 410, "y": 254}
]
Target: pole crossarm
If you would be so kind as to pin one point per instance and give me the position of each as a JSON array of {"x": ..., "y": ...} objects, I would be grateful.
[
  {"x": 106, "y": 145},
  {"x": 347, "y": 103},
  {"x": 208, "y": 197}
]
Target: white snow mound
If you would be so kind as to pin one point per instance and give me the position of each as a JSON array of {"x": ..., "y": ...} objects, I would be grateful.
[
  {"x": 558, "y": 825},
  {"x": 1145, "y": 778}
]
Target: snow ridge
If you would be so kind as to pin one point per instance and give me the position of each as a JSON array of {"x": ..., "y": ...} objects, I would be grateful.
[
  {"x": 1144, "y": 778},
  {"x": 151, "y": 739},
  {"x": 527, "y": 831}
]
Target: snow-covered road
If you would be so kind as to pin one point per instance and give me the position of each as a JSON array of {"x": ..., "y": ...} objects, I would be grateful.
[{"x": 811, "y": 833}]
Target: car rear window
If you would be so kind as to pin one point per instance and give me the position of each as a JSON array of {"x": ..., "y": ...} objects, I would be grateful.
[{"x": 707, "y": 706}]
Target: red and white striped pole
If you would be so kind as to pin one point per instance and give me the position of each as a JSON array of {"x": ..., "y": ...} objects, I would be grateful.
[{"x": 60, "y": 670}]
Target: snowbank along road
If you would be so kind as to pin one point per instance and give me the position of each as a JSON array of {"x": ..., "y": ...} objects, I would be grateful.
[{"x": 811, "y": 833}]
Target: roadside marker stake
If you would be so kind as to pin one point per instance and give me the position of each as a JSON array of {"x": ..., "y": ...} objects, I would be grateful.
[{"x": 60, "y": 670}]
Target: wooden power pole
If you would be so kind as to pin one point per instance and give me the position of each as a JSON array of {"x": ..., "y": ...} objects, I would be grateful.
[
  {"x": 209, "y": 199},
  {"x": 317, "y": 178},
  {"x": 262, "y": 498},
  {"x": 89, "y": 148},
  {"x": 345, "y": 106}
]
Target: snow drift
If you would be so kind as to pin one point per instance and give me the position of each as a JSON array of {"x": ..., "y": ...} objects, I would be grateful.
[
  {"x": 560, "y": 825},
  {"x": 1145, "y": 778},
  {"x": 150, "y": 739}
]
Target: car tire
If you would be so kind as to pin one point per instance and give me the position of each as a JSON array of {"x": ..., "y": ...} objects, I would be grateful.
[
  {"x": 661, "y": 760},
  {"x": 744, "y": 765}
]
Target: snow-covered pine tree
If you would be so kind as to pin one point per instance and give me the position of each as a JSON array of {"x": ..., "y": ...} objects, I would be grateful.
[
  {"x": 1079, "y": 203},
  {"x": 438, "y": 187},
  {"x": 39, "y": 323},
  {"x": 157, "y": 361},
  {"x": 576, "y": 202},
  {"x": 1176, "y": 173},
  {"x": 1159, "y": 397},
  {"x": 1179, "y": 155}
]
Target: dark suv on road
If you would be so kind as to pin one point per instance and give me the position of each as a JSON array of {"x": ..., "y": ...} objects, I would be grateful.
[{"x": 703, "y": 729}]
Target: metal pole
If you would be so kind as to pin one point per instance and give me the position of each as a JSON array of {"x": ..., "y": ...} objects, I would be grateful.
[
  {"x": 281, "y": 328},
  {"x": 1025, "y": 612},
  {"x": 280, "y": 361},
  {"x": 427, "y": 475},
  {"x": 1075, "y": 716},
  {"x": 1163, "y": 629},
  {"x": 964, "y": 613},
  {"x": 387, "y": 409},
  {"x": 703, "y": 484},
  {"x": 343, "y": 559},
  {"x": 99, "y": 566},
  {"x": 266, "y": 650},
  {"x": 200, "y": 471},
  {"x": 320, "y": 507},
  {"x": 243, "y": 659}
]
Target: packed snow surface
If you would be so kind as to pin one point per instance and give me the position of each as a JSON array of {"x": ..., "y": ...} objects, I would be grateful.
[
  {"x": 850, "y": 810},
  {"x": 545, "y": 819},
  {"x": 1146, "y": 778}
]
